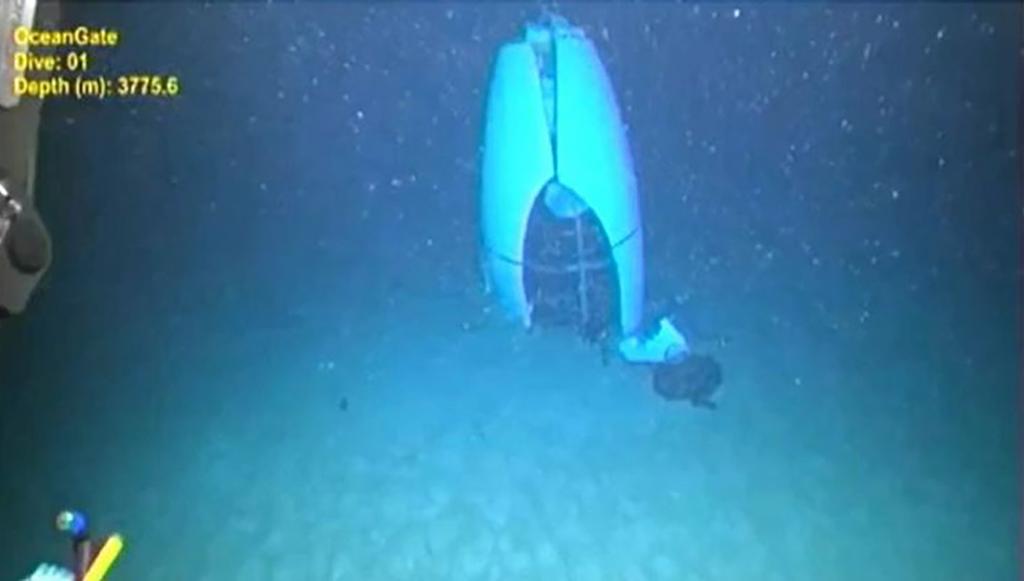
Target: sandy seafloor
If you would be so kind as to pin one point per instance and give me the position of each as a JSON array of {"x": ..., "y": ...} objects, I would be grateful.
[{"x": 471, "y": 450}]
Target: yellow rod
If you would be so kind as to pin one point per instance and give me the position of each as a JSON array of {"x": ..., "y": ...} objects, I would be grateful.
[{"x": 104, "y": 559}]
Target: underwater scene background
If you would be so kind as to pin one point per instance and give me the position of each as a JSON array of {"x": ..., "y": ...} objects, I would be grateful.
[{"x": 264, "y": 351}]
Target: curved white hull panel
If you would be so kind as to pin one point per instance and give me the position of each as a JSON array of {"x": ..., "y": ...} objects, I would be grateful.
[
  {"x": 517, "y": 162},
  {"x": 594, "y": 161}
]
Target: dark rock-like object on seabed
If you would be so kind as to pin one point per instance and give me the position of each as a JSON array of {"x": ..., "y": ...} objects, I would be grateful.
[{"x": 695, "y": 379}]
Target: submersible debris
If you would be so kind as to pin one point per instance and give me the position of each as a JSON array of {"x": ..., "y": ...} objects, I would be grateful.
[{"x": 695, "y": 379}]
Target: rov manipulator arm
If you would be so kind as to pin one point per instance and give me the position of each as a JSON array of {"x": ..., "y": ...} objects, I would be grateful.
[{"x": 24, "y": 241}]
